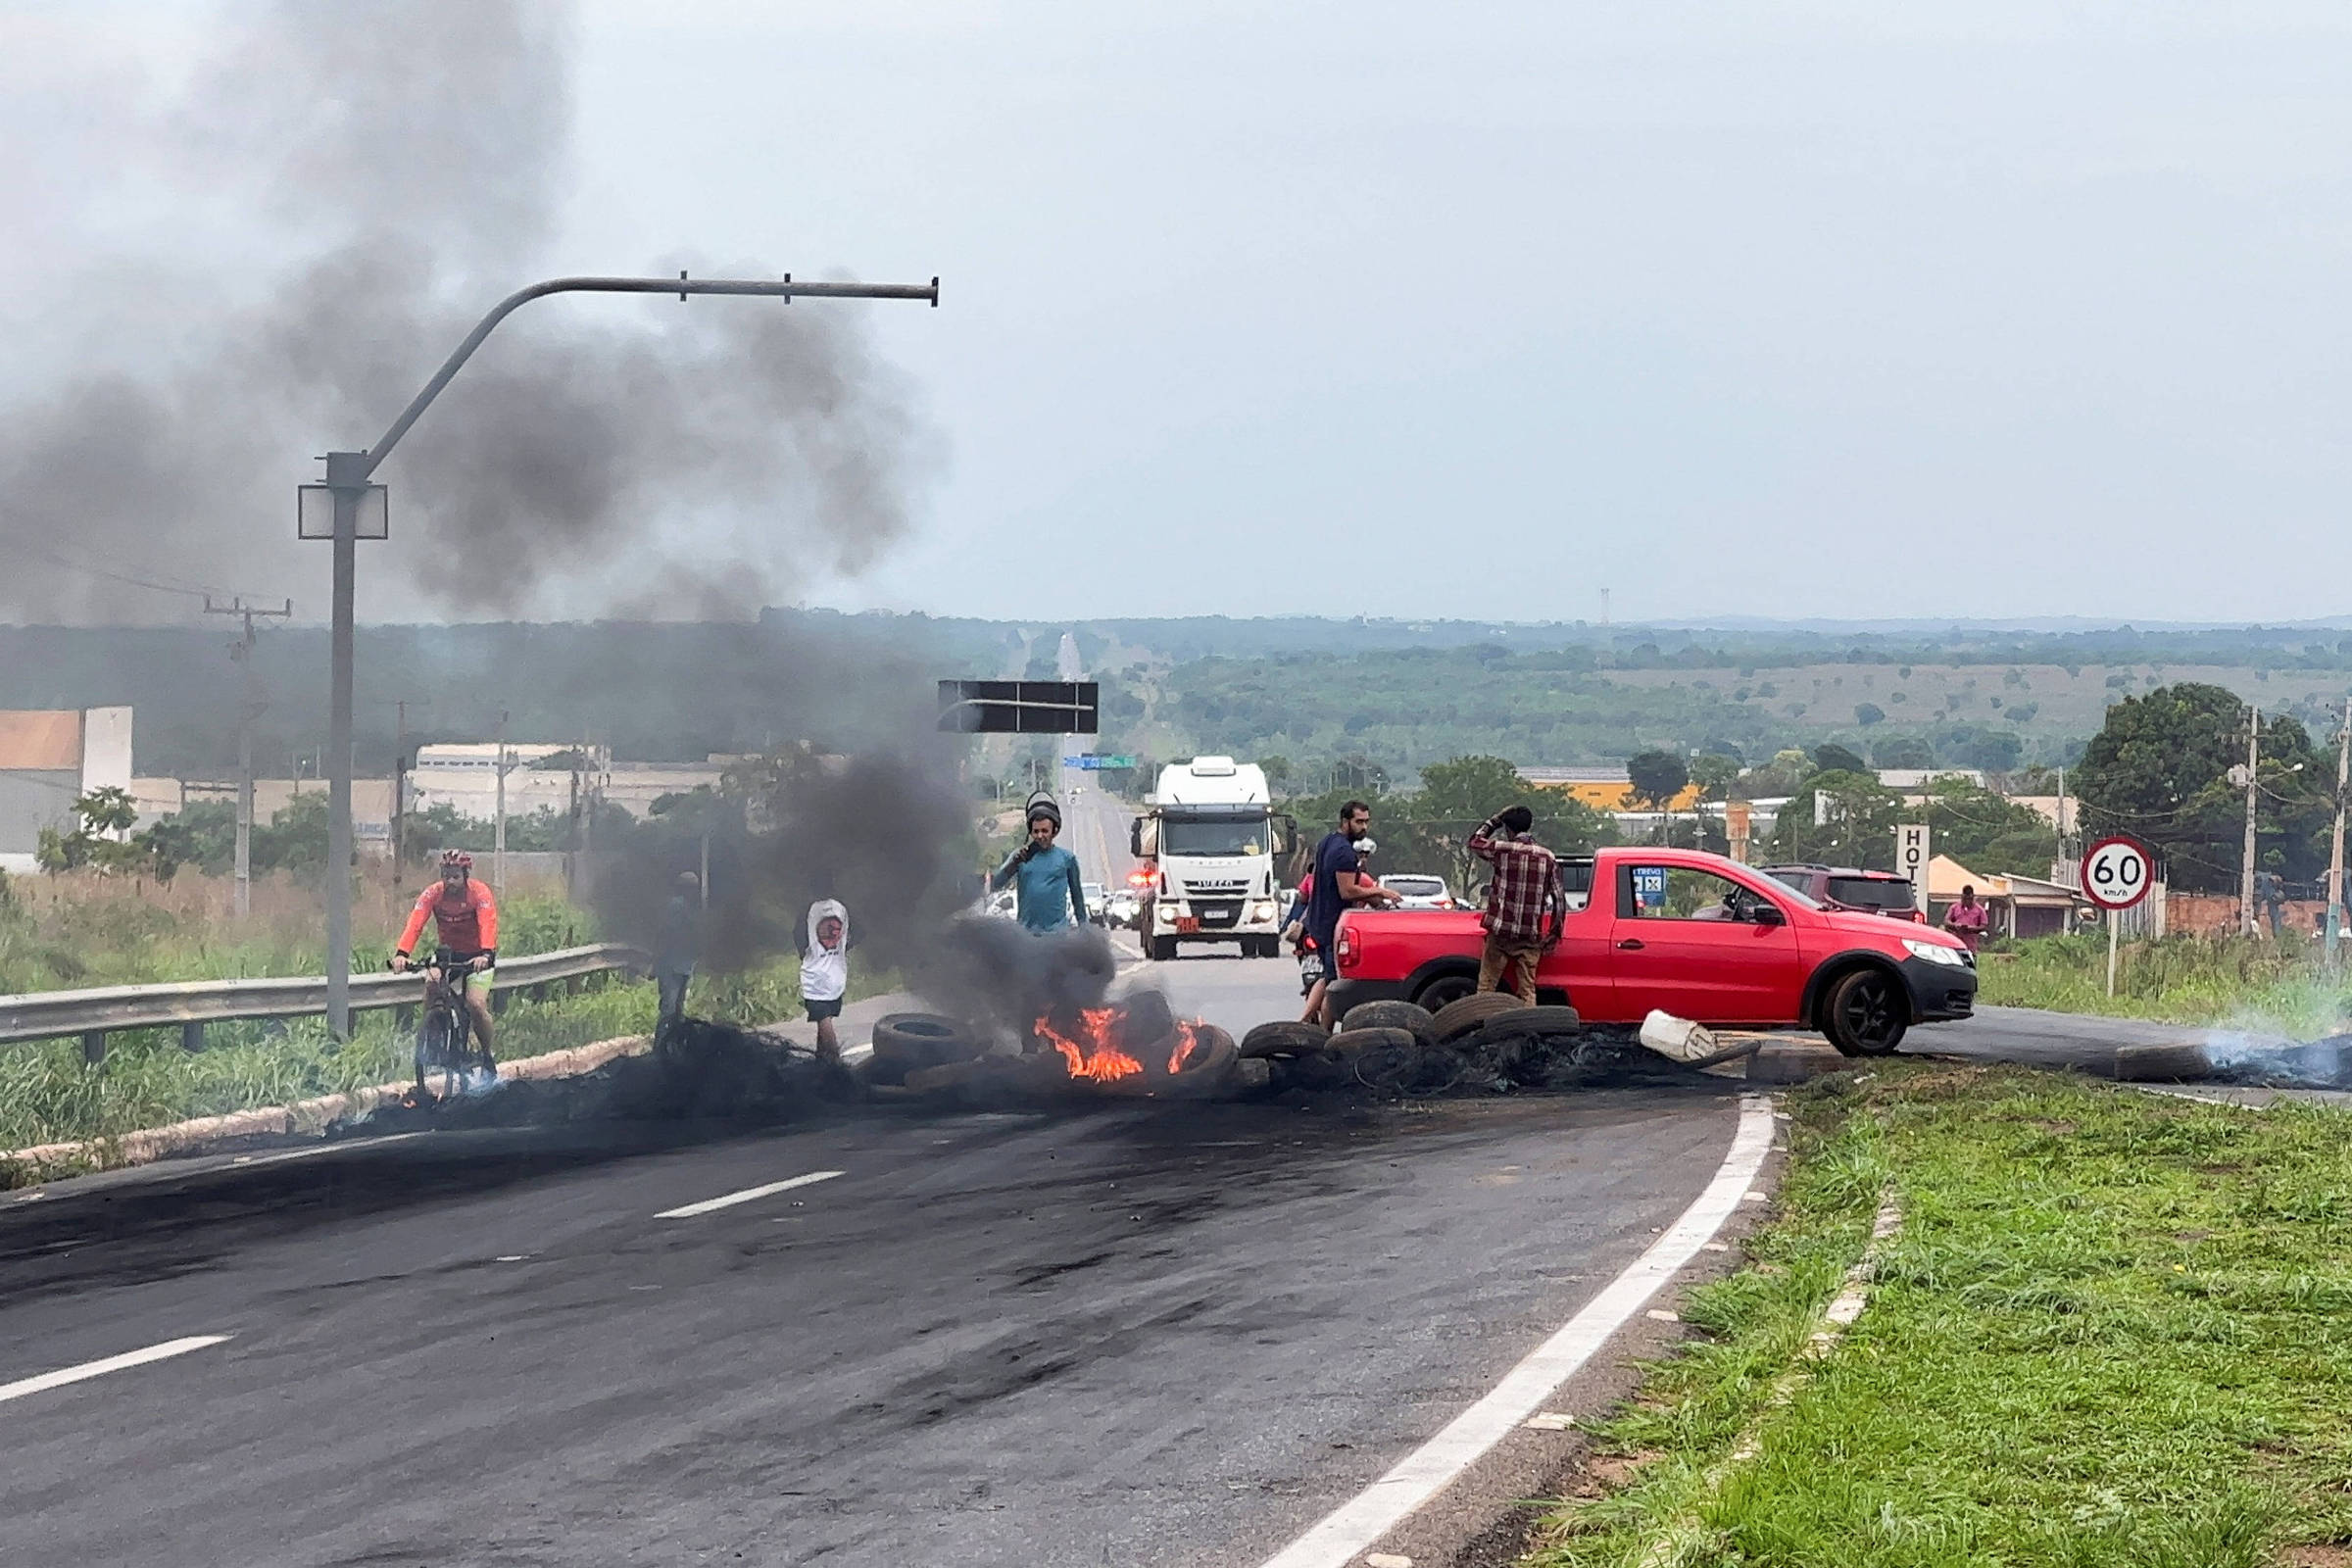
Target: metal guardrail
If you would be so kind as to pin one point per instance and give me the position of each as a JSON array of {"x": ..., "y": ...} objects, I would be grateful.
[{"x": 96, "y": 1014}]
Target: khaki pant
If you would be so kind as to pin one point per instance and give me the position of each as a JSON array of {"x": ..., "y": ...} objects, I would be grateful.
[{"x": 1522, "y": 957}]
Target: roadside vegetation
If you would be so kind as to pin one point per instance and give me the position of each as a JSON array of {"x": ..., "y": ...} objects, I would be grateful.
[
  {"x": 80, "y": 931},
  {"x": 2108, "y": 1333},
  {"x": 2277, "y": 987}
]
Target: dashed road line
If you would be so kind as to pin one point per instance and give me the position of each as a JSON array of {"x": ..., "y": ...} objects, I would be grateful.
[
  {"x": 113, "y": 1363},
  {"x": 1360, "y": 1522},
  {"x": 748, "y": 1194}
]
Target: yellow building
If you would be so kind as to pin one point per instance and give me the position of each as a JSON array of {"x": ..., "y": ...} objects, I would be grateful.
[{"x": 1604, "y": 789}]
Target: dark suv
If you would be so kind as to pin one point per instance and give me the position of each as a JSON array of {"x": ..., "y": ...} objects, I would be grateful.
[{"x": 1844, "y": 886}]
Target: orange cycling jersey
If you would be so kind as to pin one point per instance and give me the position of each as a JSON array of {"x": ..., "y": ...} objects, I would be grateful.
[{"x": 468, "y": 924}]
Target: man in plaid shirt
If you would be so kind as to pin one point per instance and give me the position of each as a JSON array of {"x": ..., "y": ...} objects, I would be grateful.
[{"x": 1524, "y": 910}]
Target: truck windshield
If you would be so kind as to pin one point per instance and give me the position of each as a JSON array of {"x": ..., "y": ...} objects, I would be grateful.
[{"x": 1190, "y": 835}]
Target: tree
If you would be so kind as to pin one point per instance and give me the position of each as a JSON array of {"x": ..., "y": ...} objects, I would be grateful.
[
  {"x": 1988, "y": 832},
  {"x": 1869, "y": 713},
  {"x": 1778, "y": 777},
  {"x": 1657, "y": 777},
  {"x": 1279, "y": 772},
  {"x": 1904, "y": 752},
  {"x": 101, "y": 819},
  {"x": 1835, "y": 758},
  {"x": 1714, "y": 775},
  {"x": 1856, "y": 822},
  {"x": 2159, "y": 769},
  {"x": 1429, "y": 830}
]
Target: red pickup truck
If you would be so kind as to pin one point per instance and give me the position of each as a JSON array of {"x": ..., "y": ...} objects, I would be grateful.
[{"x": 1697, "y": 935}]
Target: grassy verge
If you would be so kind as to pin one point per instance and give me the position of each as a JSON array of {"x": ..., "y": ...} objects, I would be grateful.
[
  {"x": 2279, "y": 986},
  {"x": 2111, "y": 1332},
  {"x": 49, "y": 1095}
]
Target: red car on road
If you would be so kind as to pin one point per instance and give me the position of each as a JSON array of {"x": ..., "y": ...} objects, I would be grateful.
[{"x": 1693, "y": 934}]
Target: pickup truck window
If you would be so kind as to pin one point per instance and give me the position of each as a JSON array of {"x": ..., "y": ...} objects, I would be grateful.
[{"x": 1682, "y": 893}]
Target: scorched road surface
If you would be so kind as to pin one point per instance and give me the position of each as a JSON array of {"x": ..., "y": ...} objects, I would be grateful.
[{"x": 1138, "y": 1334}]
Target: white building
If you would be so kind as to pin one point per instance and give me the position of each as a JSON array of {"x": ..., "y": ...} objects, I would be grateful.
[
  {"x": 541, "y": 775},
  {"x": 47, "y": 759}
]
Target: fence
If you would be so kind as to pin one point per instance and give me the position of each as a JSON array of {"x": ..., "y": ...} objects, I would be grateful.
[{"x": 94, "y": 1014}]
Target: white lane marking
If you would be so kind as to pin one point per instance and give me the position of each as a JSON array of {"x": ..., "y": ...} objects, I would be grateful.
[
  {"x": 708, "y": 1204},
  {"x": 113, "y": 1363},
  {"x": 1429, "y": 1469}
]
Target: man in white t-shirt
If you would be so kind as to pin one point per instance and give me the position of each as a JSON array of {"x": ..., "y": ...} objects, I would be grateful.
[{"x": 825, "y": 970}]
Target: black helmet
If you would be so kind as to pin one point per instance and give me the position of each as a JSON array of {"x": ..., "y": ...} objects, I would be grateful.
[{"x": 1041, "y": 804}]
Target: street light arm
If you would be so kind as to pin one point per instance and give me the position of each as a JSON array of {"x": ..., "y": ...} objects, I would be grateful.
[{"x": 681, "y": 286}]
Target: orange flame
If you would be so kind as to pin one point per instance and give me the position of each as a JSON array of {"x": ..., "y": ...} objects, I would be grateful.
[
  {"x": 1091, "y": 1055},
  {"x": 1188, "y": 1040}
]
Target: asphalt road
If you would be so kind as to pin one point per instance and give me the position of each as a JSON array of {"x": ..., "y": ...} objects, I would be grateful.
[{"x": 1134, "y": 1335}]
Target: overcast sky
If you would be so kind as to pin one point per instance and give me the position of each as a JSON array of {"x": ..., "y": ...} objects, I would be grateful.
[{"x": 1804, "y": 310}]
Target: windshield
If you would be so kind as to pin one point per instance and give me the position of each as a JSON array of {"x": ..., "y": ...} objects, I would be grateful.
[
  {"x": 1871, "y": 891},
  {"x": 1178, "y": 836}
]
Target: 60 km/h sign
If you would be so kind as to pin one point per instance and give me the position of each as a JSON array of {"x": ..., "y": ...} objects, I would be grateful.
[{"x": 2116, "y": 873}]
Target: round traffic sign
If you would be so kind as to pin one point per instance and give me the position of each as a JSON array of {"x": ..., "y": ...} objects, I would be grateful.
[{"x": 2116, "y": 873}]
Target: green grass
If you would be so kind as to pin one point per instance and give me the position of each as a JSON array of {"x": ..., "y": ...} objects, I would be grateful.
[
  {"x": 2264, "y": 986},
  {"x": 2112, "y": 1332}
]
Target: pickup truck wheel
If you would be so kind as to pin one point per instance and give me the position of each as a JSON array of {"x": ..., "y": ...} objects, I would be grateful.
[
  {"x": 1445, "y": 988},
  {"x": 1866, "y": 1013},
  {"x": 1464, "y": 1014}
]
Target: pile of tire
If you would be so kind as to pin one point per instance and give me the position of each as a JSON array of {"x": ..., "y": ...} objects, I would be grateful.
[{"x": 1490, "y": 1041}]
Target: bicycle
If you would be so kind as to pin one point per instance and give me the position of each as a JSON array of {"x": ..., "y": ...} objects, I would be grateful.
[{"x": 443, "y": 1036}]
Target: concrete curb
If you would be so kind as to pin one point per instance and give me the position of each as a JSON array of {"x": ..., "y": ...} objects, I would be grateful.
[{"x": 195, "y": 1136}]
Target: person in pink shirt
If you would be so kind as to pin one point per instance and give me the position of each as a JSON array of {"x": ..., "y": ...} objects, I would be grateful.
[{"x": 1966, "y": 919}]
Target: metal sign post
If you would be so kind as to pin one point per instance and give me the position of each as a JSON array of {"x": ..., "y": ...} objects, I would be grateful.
[
  {"x": 1911, "y": 860},
  {"x": 2116, "y": 875}
]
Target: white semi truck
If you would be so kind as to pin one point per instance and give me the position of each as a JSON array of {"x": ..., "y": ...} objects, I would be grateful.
[{"x": 1212, "y": 842}]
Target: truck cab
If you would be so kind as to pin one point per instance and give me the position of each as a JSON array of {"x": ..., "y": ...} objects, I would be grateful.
[{"x": 1211, "y": 840}]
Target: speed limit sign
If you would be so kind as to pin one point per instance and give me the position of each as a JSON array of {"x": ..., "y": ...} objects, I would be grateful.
[{"x": 2116, "y": 873}]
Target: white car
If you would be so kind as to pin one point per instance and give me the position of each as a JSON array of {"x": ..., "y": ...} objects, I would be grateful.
[
  {"x": 1095, "y": 913},
  {"x": 1421, "y": 891},
  {"x": 1121, "y": 908}
]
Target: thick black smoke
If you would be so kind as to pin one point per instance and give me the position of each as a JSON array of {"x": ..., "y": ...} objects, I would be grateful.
[{"x": 626, "y": 455}]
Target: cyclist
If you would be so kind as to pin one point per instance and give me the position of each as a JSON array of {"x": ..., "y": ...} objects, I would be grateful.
[{"x": 466, "y": 919}]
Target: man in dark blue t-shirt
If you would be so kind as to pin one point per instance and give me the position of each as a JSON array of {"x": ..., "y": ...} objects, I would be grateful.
[{"x": 1338, "y": 885}]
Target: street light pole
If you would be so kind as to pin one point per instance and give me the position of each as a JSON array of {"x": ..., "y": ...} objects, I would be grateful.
[{"x": 349, "y": 476}]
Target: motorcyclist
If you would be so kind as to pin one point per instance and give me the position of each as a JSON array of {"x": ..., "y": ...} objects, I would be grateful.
[
  {"x": 466, "y": 919},
  {"x": 1049, "y": 891}
]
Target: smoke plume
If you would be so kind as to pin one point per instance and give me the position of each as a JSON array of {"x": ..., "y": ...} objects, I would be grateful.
[{"x": 629, "y": 456}]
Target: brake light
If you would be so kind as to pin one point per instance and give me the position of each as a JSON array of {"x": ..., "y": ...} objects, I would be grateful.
[{"x": 1346, "y": 954}]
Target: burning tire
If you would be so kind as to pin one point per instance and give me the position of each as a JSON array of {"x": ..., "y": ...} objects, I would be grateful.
[
  {"x": 1460, "y": 1016},
  {"x": 1531, "y": 1024},
  {"x": 907, "y": 1041},
  {"x": 1410, "y": 1016},
  {"x": 1285, "y": 1039}
]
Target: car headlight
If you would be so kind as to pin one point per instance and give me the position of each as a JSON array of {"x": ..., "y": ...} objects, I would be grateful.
[{"x": 1936, "y": 952}]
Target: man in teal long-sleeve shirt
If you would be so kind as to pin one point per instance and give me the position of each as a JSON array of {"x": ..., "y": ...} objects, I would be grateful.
[{"x": 1051, "y": 895}]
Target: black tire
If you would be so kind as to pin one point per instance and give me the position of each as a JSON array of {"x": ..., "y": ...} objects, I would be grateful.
[
  {"x": 1866, "y": 1013},
  {"x": 1410, "y": 1016},
  {"x": 1464, "y": 1014},
  {"x": 1161, "y": 949},
  {"x": 1286, "y": 1038},
  {"x": 1443, "y": 989},
  {"x": 1535, "y": 1022},
  {"x": 1148, "y": 1020},
  {"x": 906, "y": 1042}
]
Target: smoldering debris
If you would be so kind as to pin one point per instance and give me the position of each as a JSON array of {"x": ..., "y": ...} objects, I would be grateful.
[
  {"x": 1128, "y": 1046},
  {"x": 626, "y": 458},
  {"x": 2228, "y": 1056},
  {"x": 702, "y": 1072}
]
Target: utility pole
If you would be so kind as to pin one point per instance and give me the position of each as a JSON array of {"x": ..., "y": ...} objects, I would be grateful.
[
  {"x": 400, "y": 777},
  {"x": 2246, "y": 873},
  {"x": 241, "y": 651},
  {"x": 2335, "y": 845},
  {"x": 498, "y": 831}
]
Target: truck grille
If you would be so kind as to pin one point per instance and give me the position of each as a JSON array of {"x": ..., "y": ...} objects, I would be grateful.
[{"x": 1219, "y": 889}]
